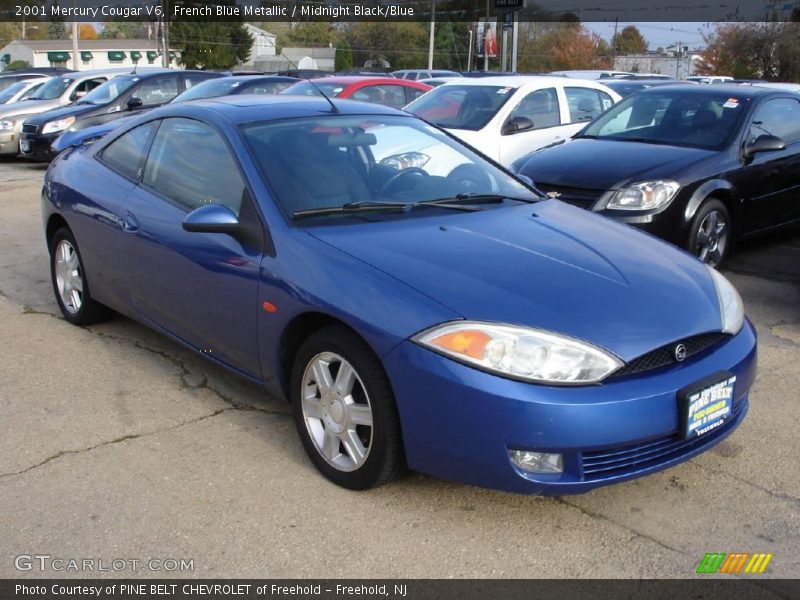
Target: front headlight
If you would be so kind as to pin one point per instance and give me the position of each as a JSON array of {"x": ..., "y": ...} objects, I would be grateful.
[
  {"x": 520, "y": 352},
  {"x": 646, "y": 195},
  {"x": 7, "y": 125},
  {"x": 59, "y": 125},
  {"x": 731, "y": 307}
]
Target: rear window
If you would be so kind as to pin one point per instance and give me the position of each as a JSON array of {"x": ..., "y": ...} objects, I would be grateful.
[{"x": 456, "y": 106}]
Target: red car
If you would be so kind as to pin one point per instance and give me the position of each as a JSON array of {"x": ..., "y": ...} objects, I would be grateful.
[{"x": 377, "y": 90}]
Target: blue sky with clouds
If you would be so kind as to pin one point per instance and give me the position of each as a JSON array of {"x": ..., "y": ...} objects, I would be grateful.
[{"x": 658, "y": 34}]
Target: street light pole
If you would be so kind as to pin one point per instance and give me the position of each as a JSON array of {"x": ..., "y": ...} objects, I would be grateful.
[
  {"x": 432, "y": 34},
  {"x": 75, "y": 34}
]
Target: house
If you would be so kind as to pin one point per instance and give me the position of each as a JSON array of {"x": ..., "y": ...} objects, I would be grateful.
[
  {"x": 94, "y": 54},
  {"x": 321, "y": 59},
  {"x": 264, "y": 45}
]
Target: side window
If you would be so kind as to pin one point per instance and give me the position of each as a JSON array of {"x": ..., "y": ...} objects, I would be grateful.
[
  {"x": 584, "y": 103},
  {"x": 413, "y": 93},
  {"x": 127, "y": 153},
  {"x": 84, "y": 87},
  {"x": 190, "y": 81},
  {"x": 388, "y": 95},
  {"x": 779, "y": 117},
  {"x": 157, "y": 90},
  {"x": 541, "y": 107},
  {"x": 206, "y": 175},
  {"x": 266, "y": 88}
]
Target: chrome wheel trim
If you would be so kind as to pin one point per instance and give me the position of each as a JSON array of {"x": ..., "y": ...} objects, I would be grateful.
[
  {"x": 337, "y": 411},
  {"x": 69, "y": 279},
  {"x": 712, "y": 238}
]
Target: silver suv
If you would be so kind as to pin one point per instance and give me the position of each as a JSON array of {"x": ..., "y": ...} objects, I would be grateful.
[{"x": 54, "y": 93}]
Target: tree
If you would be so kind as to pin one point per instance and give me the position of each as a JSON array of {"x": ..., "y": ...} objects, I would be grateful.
[
  {"x": 56, "y": 30},
  {"x": 312, "y": 33},
  {"x": 119, "y": 30},
  {"x": 86, "y": 31},
  {"x": 16, "y": 65},
  {"x": 402, "y": 44},
  {"x": 344, "y": 56},
  {"x": 210, "y": 44},
  {"x": 574, "y": 47},
  {"x": 629, "y": 41}
]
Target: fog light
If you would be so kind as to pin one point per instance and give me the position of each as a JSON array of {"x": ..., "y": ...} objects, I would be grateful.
[{"x": 537, "y": 462}]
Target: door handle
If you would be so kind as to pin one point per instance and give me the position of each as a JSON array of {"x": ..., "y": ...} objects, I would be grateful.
[{"x": 129, "y": 224}]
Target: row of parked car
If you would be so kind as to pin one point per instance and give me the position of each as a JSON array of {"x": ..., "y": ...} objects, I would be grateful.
[{"x": 698, "y": 165}]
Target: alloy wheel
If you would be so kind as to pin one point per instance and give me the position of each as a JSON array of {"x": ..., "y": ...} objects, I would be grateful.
[
  {"x": 337, "y": 411},
  {"x": 712, "y": 238},
  {"x": 69, "y": 281}
]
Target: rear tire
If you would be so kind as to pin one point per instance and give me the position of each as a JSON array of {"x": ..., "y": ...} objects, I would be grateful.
[
  {"x": 70, "y": 285},
  {"x": 711, "y": 233},
  {"x": 344, "y": 410}
]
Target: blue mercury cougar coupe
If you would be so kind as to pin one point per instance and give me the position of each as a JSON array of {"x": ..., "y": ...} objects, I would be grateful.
[{"x": 416, "y": 304}]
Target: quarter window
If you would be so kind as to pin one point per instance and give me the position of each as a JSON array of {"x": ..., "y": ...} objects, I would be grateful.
[
  {"x": 779, "y": 117},
  {"x": 206, "y": 173},
  {"x": 541, "y": 107},
  {"x": 126, "y": 154}
]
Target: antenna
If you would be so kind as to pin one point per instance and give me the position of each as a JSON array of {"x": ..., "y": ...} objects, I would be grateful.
[{"x": 316, "y": 87}]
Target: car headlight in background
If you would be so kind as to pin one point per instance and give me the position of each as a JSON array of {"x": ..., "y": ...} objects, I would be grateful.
[
  {"x": 731, "y": 306},
  {"x": 646, "y": 195},
  {"x": 520, "y": 352},
  {"x": 6, "y": 125},
  {"x": 59, "y": 125},
  {"x": 406, "y": 160}
]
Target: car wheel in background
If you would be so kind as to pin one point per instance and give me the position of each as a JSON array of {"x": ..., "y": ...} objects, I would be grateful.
[
  {"x": 69, "y": 282},
  {"x": 711, "y": 233},
  {"x": 344, "y": 410}
]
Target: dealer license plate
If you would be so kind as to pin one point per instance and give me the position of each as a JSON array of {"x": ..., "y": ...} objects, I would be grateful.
[
  {"x": 24, "y": 146},
  {"x": 707, "y": 407}
]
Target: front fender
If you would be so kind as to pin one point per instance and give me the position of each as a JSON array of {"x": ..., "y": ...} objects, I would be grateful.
[{"x": 709, "y": 188}]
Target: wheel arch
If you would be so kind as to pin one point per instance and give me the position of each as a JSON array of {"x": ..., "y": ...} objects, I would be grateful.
[
  {"x": 720, "y": 190},
  {"x": 54, "y": 223}
]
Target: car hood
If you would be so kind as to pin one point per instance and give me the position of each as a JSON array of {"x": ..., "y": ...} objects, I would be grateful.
[
  {"x": 73, "y": 110},
  {"x": 549, "y": 265},
  {"x": 25, "y": 107},
  {"x": 607, "y": 164}
]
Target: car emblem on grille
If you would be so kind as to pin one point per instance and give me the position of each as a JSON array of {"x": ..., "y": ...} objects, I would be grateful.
[
  {"x": 680, "y": 352},
  {"x": 553, "y": 194}
]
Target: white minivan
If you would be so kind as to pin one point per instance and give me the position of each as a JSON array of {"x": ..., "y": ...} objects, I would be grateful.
[{"x": 506, "y": 118}]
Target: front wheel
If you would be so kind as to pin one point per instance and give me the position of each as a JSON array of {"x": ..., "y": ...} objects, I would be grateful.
[
  {"x": 344, "y": 410},
  {"x": 711, "y": 233}
]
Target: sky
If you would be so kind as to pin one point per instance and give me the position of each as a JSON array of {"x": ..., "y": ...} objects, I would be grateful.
[{"x": 658, "y": 34}]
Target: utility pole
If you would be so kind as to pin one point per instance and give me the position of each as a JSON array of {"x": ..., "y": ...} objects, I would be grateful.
[
  {"x": 75, "y": 34},
  {"x": 614, "y": 42},
  {"x": 432, "y": 35},
  {"x": 514, "y": 42},
  {"x": 469, "y": 52},
  {"x": 165, "y": 36},
  {"x": 678, "y": 61}
]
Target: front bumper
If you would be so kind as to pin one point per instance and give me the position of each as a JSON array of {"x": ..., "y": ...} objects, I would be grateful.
[
  {"x": 36, "y": 146},
  {"x": 459, "y": 423},
  {"x": 9, "y": 143}
]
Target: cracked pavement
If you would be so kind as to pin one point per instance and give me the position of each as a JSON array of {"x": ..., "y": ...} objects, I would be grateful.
[{"x": 116, "y": 442}]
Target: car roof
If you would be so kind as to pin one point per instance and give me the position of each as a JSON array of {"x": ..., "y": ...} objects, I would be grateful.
[
  {"x": 724, "y": 88},
  {"x": 245, "y": 108},
  {"x": 515, "y": 81},
  {"x": 352, "y": 79}
]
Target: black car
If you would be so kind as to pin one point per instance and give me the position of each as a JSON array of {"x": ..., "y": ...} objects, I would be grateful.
[
  {"x": 238, "y": 84},
  {"x": 117, "y": 97},
  {"x": 699, "y": 166},
  {"x": 625, "y": 87}
]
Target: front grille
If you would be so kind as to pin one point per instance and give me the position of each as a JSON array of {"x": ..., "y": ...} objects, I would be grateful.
[
  {"x": 28, "y": 128},
  {"x": 665, "y": 356},
  {"x": 580, "y": 197},
  {"x": 600, "y": 464}
]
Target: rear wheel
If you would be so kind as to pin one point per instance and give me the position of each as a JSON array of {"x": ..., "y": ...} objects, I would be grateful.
[
  {"x": 69, "y": 282},
  {"x": 711, "y": 234},
  {"x": 344, "y": 410}
]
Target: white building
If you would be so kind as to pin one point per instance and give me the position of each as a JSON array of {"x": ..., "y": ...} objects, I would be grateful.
[
  {"x": 93, "y": 54},
  {"x": 670, "y": 63},
  {"x": 322, "y": 59},
  {"x": 264, "y": 44}
]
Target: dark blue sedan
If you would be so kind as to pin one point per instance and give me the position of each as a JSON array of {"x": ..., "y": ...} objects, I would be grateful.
[{"x": 416, "y": 304}]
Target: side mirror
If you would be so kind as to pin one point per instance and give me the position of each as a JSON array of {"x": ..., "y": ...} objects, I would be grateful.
[
  {"x": 211, "y": 218},
  {"x": 515, "y": 125},
  {"x": 764, "y": 143},
  {"x": 134, "y": 103}
]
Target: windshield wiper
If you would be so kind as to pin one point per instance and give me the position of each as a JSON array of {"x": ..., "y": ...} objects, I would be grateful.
[
  {"x": 375, "y": 205},
  {"x": 465, "y": 199}
]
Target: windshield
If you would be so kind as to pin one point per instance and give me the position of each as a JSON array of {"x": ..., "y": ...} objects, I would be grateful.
[
  {"x": 456, "y": 106},
  {"x": 108, "y": 91},
  {"x": 331, "y": 161},
  {"x": 53, "y": 88},
  {"x": 672, "y": 117},
  {"x": 304, "y": 88},
  {"x": 209, "y": 89}
]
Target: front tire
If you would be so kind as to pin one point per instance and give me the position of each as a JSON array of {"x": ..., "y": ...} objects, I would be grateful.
[
  {"x": 69, "y": 282},
  {"x": 711, "y": 233},
  {"x": 344, "y": 410}
]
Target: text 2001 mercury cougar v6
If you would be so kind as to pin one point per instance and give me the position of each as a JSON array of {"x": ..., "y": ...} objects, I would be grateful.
[{"x": 417, "y": 305}]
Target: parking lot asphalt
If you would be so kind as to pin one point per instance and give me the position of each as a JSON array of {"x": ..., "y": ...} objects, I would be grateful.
[{"x": 117, "y": 443}]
